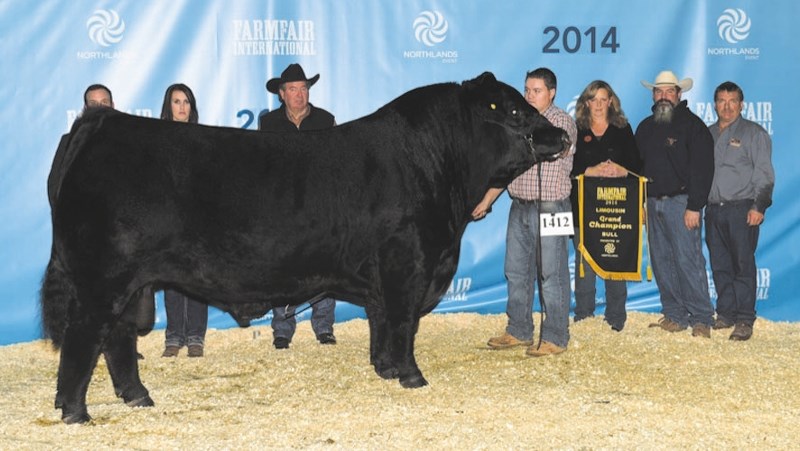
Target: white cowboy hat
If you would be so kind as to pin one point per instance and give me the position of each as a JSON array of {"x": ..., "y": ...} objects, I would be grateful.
[{"x": 667, "y": 78}]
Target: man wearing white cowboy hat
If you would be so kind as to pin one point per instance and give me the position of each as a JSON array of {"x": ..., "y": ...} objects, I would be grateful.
[
  {"x": 678, "y": 154},
  {"x": 297, "y": 114}
]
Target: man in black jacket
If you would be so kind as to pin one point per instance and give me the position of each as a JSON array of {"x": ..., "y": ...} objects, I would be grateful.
[
  {"x": 297, "y": 114},
  {"x": 678, "y": 154}
]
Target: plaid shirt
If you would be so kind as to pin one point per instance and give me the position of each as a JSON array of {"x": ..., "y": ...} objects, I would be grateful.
[{"x": 556, "y": 184}]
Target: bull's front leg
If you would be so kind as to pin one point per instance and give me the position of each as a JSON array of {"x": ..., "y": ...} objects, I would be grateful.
[
  {"x": 403, "y": 329},
  {"x": 122, "y": 362},
  {"x": 379, "y": 339},
  {"x": 79, "y": 354}
]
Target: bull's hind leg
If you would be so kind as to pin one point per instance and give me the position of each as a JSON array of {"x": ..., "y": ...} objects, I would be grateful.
[
  {"x": 79, "y": 354},
  {"x": 120, "y": 354},
  {"x": 379, "y": 351}
]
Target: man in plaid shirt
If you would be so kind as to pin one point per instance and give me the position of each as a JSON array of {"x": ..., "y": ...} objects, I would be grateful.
[{"x": 523, "y": 237}]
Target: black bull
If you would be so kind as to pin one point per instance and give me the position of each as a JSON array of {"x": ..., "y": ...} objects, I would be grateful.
[{"x": 371, "y": 211}]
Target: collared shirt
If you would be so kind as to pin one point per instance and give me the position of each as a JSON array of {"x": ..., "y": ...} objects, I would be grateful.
[
  {"x": 278, "y": 121},
  {"x": 742, "y": 164},
  {"x": 555, "y": 174}
]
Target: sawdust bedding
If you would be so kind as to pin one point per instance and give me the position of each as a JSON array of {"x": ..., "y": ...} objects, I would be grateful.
[{"x": 642, "y": 388}]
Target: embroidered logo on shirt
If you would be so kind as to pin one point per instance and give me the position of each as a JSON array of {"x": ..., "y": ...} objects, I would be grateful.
[
  {"x": 671, "y": 141},
  {"x": 735, "y": 142}
]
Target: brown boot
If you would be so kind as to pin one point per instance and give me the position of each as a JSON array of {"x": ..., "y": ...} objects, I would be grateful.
[
  {"x": 668, "y": 325},
  {"x": 701, "y": 330},
  {"x": 195, "y": 351},
  {"x": 171, "y": 351},
  {"x": 544, "y": 348},
  {"x": 507, "y": 341},
  {"x": 741, "y": 332}
]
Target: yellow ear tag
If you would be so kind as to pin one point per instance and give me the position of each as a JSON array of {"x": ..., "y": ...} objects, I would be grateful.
[{"x": 493, "y": 106}]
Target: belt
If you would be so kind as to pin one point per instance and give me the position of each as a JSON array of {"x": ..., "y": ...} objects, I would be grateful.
[
  {"x": 730, "y": 203},
  {"x": 526, "y": 201},
  {"x": 666, "y": 196}
]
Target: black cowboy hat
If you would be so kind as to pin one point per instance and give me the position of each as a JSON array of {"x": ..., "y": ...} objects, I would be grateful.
[{"x": 292, "y": 73}]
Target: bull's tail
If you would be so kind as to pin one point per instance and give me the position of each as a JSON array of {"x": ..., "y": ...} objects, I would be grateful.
[{"x": 54, "y": 299}]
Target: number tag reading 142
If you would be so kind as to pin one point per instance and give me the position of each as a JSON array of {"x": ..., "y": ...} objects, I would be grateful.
[{"x": 556, "y": 224}]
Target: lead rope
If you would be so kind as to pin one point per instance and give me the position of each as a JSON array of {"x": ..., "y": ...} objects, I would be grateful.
[
  {"x": 310, "y": 304},
  {"x": 539, "y": 276}
]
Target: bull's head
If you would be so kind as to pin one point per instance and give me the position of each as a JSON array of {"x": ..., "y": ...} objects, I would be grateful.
[{"x": 530, "y": 137}]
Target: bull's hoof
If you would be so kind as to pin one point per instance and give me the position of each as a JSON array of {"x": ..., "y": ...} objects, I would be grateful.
[
  {"x": 413, "y": 381},
  {"x": 144, "y": 401},
  {"x": 76, "y": 418},
  {"x": 387, "y": 373}
]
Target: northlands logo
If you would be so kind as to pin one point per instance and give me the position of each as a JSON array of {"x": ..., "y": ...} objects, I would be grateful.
[
  {"x": 733, "y": 26},
  {"x": 105, "y": 29},
  {"x": 572, "y": 106},
  {"x": 430, "y": 29}
]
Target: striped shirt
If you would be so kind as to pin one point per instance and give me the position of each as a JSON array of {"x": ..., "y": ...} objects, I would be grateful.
[{"x": 556, "y": 183}]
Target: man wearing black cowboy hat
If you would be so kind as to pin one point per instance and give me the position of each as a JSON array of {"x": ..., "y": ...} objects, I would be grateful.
[
  {"x": 295, "y": 112},
  {"x": 294, "y": 115}
]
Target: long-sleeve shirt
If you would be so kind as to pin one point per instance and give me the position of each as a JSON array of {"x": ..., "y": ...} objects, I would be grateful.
[
  {"x": 678, "y": 156},
  {"x": 742, "y": 164},
  {"x": 555, "y": 174},
  {"x": 617, "y": 144},
  {"x": 277, "y": 121}
]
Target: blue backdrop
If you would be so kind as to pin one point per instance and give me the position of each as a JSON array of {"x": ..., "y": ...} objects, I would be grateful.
[{"x": 368, "y": 52}]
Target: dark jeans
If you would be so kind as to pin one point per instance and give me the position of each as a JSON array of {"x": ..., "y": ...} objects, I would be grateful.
[
  {"x": 731, "y": 248},
  {"x": 187, "y": 320},
  {"x": 284, "y": 322},
  {"x": 678, "y": 263},
  {"x": 586, "y": 293}
]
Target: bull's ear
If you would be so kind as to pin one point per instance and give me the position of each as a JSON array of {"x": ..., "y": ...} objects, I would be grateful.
[{"x": 480, "y": 80}]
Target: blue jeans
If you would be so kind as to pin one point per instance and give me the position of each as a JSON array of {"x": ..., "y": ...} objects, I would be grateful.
[
  {"x": 678, "y": 263},
  {"x": 731, "y": 249},
  {"x": 187, "y": 320},
  {"x": 522, "y": 241},
  {"x": 284, "y": 322},
  {"x": 586, "y": 293}
]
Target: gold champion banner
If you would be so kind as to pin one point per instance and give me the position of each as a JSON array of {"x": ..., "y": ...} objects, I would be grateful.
[{"x": 610, "y": 223}]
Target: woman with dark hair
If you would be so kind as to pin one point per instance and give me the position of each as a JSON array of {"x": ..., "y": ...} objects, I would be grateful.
[
  {"x": 605, "y": 148},
  {"x": 187, "y": 319}
]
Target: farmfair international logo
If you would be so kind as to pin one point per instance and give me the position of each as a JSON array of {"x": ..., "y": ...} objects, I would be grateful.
[{"x": 257, "y": 37}]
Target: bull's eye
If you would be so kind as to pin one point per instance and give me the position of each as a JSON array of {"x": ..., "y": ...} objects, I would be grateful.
[{"x": 492, "y": 106}]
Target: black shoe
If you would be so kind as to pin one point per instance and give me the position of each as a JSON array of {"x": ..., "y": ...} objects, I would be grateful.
[
  {"x": 139, "y": 356},
  {"x": 281, "y": 343},
  {"x": 326, "y": 339}
]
